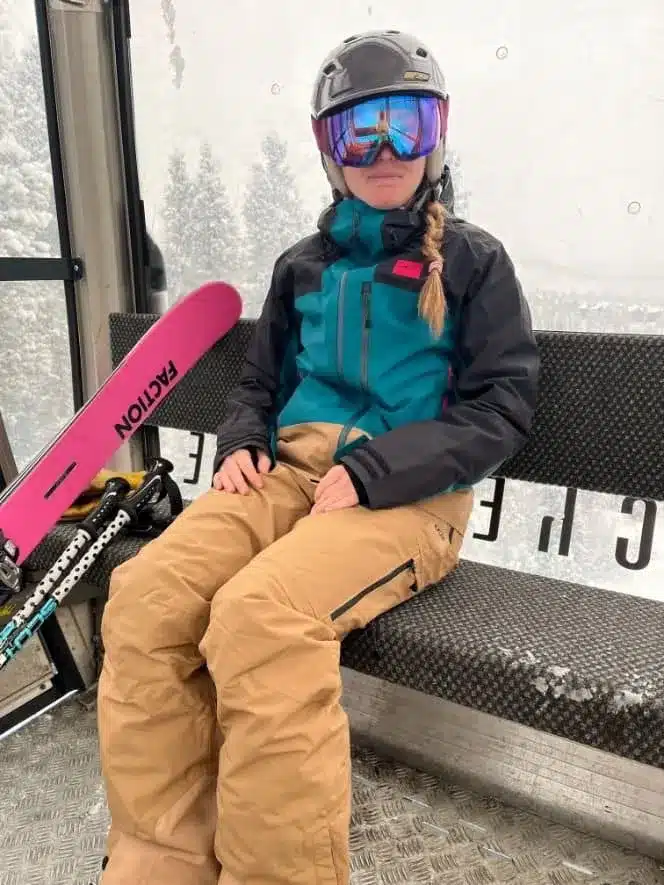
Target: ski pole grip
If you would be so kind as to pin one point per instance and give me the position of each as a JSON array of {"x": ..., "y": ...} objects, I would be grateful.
[
  {"x": 114, "y": 491},
  {"x": 151, "y": 489},
  {"x": 159, "y": 467}
]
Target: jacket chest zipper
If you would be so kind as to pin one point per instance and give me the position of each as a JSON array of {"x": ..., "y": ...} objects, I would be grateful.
[
  {"x": 340, "y": 324},
  {"x": 364, "y": 365},
  {"x": 366, "y": 327}
]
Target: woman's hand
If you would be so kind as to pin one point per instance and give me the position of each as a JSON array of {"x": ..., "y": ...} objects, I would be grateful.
[
  {"x": 335, "y": 491},
  {"x": 237, "y": 472}
]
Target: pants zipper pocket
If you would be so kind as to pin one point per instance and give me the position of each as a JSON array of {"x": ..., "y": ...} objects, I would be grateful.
[{"x": 381, "y": 582}]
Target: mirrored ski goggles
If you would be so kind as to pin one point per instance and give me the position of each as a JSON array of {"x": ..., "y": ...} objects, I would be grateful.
[{"x": 412, "y": 125}]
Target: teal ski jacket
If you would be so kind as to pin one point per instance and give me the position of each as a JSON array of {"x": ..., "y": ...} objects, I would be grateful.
[{"x": 340, "y": 341}]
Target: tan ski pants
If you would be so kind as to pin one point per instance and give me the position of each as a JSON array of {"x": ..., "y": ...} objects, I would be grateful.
[{"x": 223, "y": 740}]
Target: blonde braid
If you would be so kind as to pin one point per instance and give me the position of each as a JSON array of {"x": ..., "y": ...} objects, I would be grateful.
[{"x": 431, "y": 304}]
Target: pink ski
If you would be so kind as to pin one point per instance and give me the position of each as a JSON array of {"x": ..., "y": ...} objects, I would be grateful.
[{"x": 35, "y": 501}]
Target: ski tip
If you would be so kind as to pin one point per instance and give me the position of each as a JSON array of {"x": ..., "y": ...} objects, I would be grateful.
[{"x": 232, "y": 300}]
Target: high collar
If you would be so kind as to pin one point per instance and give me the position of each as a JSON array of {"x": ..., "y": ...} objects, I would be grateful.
[{"x": 366, "y": 233}]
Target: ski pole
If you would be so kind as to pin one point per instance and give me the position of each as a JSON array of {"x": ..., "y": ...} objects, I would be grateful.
[
  {"x": 10, "y": 574},
  {"x": 114, "y": 490},
  {"x": 151, "y": 491}
]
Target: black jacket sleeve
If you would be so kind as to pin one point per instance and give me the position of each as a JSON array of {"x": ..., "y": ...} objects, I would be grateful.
[
  {"x": 496, "y": 389},
  {"x": 251, "y": 411}
]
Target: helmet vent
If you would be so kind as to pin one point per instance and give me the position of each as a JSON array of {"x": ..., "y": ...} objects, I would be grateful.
[
  {"x": 350, "y": 39},
  {"x": 392, "y": 32},
  {"x": 422, "y": 52},
  {"x": 330, "y": 69}
]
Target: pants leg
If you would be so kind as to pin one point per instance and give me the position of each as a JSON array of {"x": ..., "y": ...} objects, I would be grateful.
[
  {"x": 159, "y": 740},
  {"x": 273, "y": 646}
]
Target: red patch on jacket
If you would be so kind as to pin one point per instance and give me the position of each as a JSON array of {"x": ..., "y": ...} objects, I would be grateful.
[{"x": 410, "y": 269}]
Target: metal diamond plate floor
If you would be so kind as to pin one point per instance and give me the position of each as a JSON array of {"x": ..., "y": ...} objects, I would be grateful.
[{"x": 407, "y": 827}]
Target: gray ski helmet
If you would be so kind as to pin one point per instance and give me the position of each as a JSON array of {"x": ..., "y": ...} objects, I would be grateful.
[{"x": 377, "y": 63}]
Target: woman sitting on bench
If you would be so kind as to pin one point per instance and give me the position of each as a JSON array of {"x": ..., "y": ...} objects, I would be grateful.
[{"x": 393, "y": 367}]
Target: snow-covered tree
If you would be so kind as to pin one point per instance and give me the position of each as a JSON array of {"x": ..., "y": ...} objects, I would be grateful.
[
  {"x": 7, "y": 42},
  {"x": 274, "y": 217},
  {"x": 461, "y": 194},
  {"x": 35, "y": 371},
  {"x": 177, "y": 215},
  {"x": 214, "y": 229},
  {"x": 37, "y": 213},
  {"x": 10, "y": 151}
]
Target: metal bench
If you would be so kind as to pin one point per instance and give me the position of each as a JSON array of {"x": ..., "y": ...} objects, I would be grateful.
[{"x": 544, "y": 692}]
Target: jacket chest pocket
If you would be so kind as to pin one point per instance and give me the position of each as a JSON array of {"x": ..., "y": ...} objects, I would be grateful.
[{"x": 402, "y": 274}]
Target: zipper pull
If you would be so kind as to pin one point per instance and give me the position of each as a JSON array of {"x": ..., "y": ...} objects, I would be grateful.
[{"x": 366, "y": 305}]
